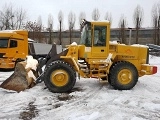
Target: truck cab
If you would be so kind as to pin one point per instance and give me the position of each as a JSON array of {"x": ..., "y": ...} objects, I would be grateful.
[{"x": 13, "y": 47}]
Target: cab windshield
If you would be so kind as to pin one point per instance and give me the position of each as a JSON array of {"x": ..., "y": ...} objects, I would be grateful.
[
  {"x": 86, "y": 35},
  {"x": 4, "y": 43}
]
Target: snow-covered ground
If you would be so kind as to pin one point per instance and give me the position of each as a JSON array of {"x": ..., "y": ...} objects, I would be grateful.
[{"x": 90, "y": 100}]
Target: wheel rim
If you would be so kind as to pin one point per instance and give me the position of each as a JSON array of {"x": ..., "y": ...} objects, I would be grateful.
[
  {"x": 125, "y": 76},
  {"x": 59, "y": 78}
]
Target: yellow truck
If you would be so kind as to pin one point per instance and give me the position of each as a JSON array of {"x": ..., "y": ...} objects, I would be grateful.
[{"x": 15, "y": 46}]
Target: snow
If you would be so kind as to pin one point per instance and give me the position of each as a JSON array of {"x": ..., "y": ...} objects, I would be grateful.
[
  {"x": 89, "y": 100},
  {"x": 113, "y": 42},
  {"x": 74, "y": 43},
  {"x": 138, "y": 45},
  {"x": 31, "y": 63}
]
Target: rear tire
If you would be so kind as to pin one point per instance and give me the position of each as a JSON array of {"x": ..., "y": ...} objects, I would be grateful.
[
  {"x": 59, "y": 77},
  {"x": 123, "y": 76},
  {"x": 109, "y": 76}
]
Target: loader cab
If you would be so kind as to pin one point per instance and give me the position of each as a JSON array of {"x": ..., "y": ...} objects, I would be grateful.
[{"x": 95, "y": 36}]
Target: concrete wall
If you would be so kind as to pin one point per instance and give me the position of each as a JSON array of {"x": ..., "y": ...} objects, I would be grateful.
[{"x": 145, "y": 36}]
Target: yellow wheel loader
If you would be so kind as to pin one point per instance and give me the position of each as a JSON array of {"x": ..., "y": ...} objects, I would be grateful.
[{"x": 95, "y": 57}]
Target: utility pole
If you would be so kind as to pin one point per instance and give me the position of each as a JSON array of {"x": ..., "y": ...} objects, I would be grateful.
[
  {"x": 60, "y": 38},
  {"x": 130, "y": 35},
  {"x": 50, "y": 35}
]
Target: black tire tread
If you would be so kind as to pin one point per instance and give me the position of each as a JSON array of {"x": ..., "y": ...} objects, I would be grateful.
[
  {"x": 70, "y": 71},
  {"x": 114, "y": 72}
]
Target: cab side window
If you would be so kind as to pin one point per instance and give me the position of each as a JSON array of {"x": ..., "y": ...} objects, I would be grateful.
[
  {"x": 13, "y": 43},
  {"x": 100, "y": 35}
]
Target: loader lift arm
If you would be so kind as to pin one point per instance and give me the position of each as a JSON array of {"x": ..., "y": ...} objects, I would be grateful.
[{"x": 52, "y": 56}]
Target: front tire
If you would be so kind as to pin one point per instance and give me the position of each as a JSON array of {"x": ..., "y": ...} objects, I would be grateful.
[
  {"x": 123, "y": 76},
  {"x": 59, "y": 77}
]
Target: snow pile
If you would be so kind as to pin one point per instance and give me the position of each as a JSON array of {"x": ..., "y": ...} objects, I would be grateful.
[
  {"x": 74, "y": 43},
  {"x": 113, "y": 42},
  {"x": 108, "y": 60},
  {"x": 31, "y": 63},
  {"x": 138, "y": 45}
]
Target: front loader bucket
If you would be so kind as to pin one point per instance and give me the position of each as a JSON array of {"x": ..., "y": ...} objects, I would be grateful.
[{"x": 21, "y": 79}]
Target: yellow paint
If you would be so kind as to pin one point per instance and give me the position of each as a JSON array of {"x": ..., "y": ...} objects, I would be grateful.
[
  {"x": 124, "y": 76},
  {"x": 13, "y": 53},
  {"x": 95, "y": 56},
  {"x": 59, "y": 78}
]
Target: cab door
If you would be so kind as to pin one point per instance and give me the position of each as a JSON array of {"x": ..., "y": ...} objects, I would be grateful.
[
  {"x": 99, "y": 41},
  {"x": 12, "y": 48}
]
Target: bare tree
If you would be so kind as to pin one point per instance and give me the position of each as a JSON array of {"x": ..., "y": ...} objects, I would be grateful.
[
  {"x": 95, "y": 14},
  {"x": 71, "y": 22},
  {"x": 20, "y": 17},
  {"x": 33, "y": 27},
  {"x": 122, "y": 26},
  {"x": 138, "y": 20},
  {"x": 39, "y": 34},
  {"x": 158, "y": 27},
  {"x": 155, "y": 21},
  {"x": 6, "y": 16},
  {"x": 10, "y": 18},
  {"x": 39, "y": 21},
  {"x": 50, "y": 27},
  {"x": 60, "y": 19},
  {"x": 108, "y": 16}
]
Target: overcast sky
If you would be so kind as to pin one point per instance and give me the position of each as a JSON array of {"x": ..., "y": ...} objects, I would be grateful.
[{"x": 35, "y": 8}]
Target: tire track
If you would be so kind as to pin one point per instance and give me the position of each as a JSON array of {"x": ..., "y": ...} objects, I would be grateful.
[{"x": 77, "y": 100}]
